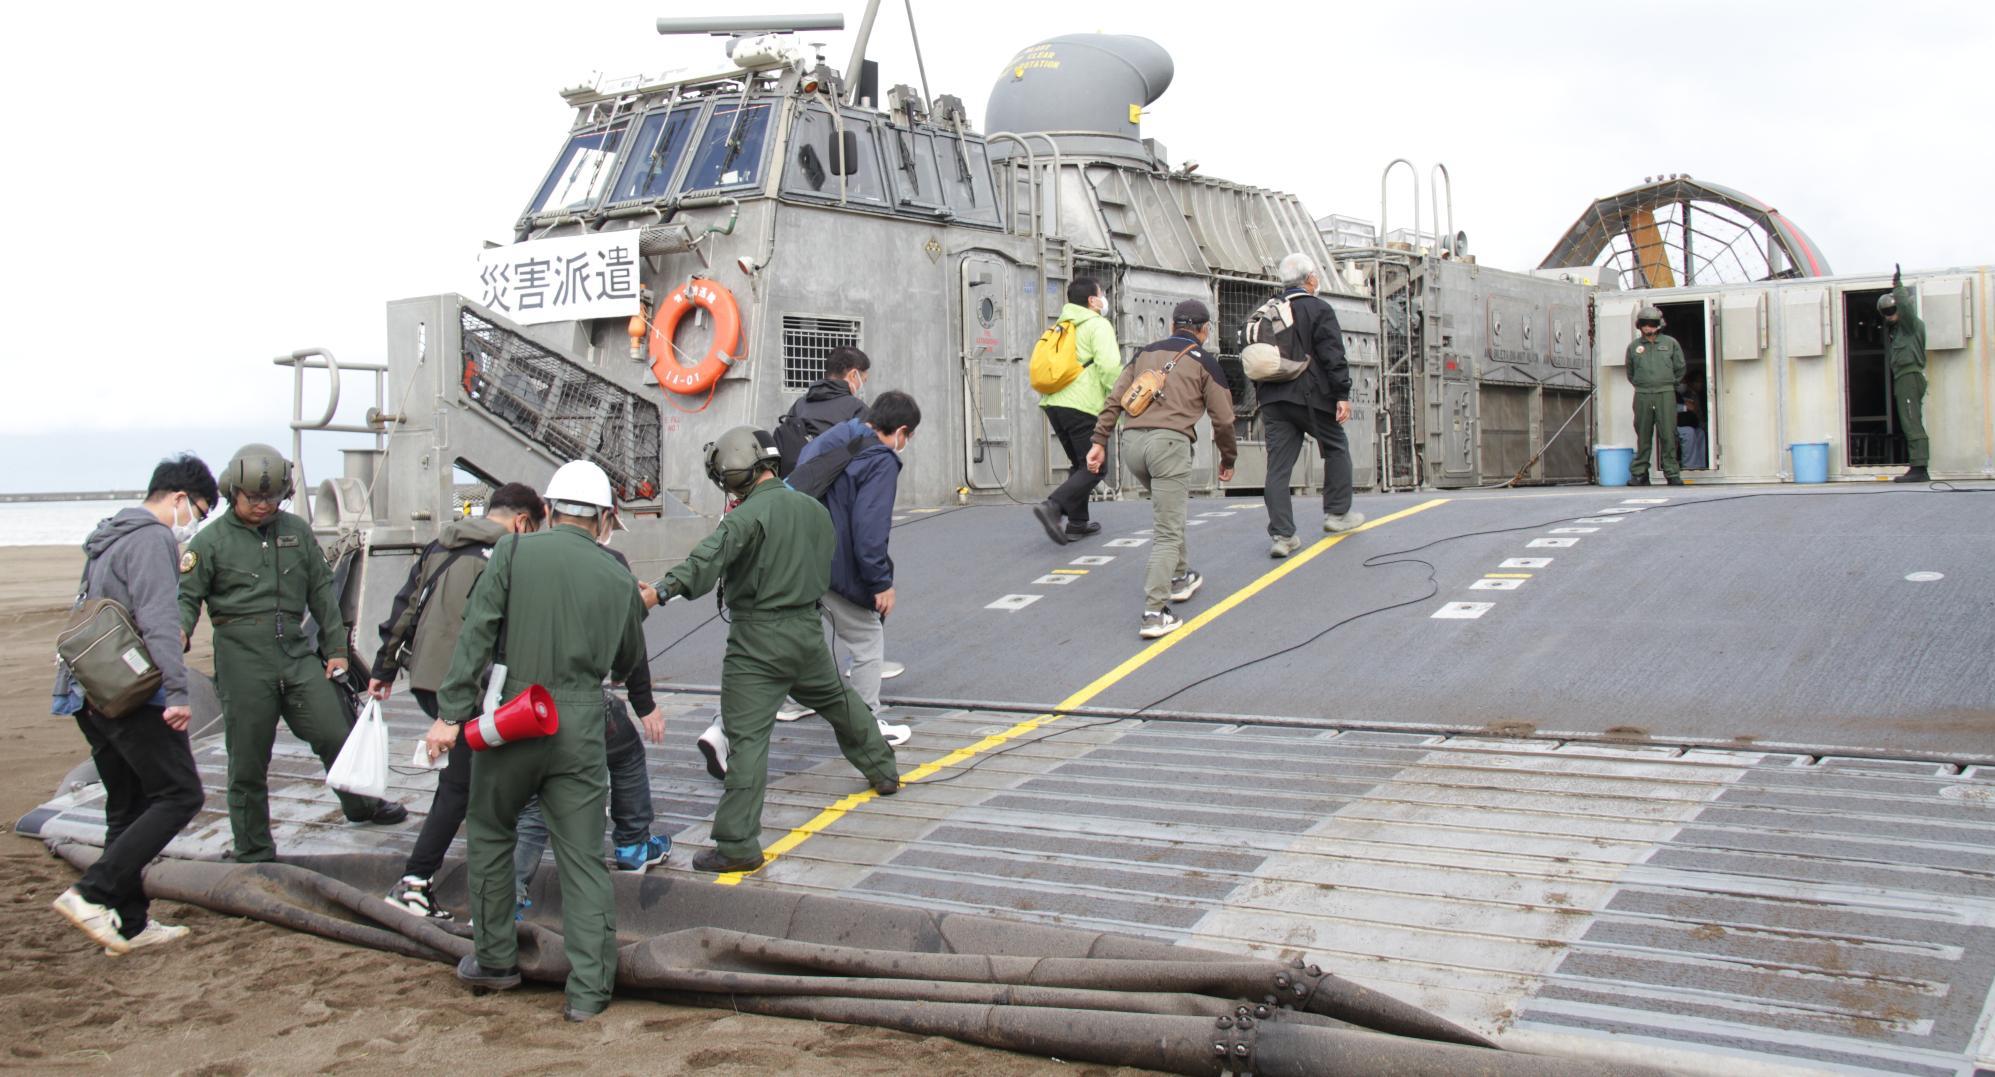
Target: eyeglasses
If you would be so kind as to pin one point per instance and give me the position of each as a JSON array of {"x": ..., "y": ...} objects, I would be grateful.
[{"x": 201, "y": 510}]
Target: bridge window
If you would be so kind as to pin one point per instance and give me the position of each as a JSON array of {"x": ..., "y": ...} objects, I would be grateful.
[
  {"x": 655, "y": 154},
  {"x": 729, "y": 152},
  {"x": 811, "y": 171},
  {"x": 581, "y": 173},
  {"x": 808, "y": 341}
]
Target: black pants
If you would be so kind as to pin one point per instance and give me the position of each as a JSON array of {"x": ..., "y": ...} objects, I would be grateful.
[
  {"x": 1286, "y": 423},
  {"x": 151, "y": 791},
  {"x": 446, "y": 809},
  {"x": 1075, "y": 429}
]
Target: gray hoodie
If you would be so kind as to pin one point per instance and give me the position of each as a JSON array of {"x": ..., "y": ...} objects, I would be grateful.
[{"x": 144, "y": 575}]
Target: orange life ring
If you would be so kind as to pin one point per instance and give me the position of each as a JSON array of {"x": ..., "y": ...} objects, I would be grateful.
[{"x": 715, "y": 299}]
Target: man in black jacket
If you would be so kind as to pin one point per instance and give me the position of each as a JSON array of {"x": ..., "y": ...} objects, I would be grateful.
[
  {"x": 151, "y": 789},
  {"x": 829, "y": 401},
  {"x": 1316, "y": 405}
]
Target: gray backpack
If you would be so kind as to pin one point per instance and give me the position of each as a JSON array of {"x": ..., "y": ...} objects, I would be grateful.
[{"x": 106, "y": 655}]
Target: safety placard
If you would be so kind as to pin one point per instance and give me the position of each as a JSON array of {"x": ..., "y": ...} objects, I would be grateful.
[{"x": 561, "y": 279}]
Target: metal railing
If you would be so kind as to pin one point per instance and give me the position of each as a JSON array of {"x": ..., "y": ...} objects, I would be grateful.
[{"x": 377, "y": 421}]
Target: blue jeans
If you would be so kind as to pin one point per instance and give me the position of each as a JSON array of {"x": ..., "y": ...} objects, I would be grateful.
[{"x": 631, "y": 814}]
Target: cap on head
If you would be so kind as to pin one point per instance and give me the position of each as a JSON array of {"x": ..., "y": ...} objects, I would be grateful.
[
  {"x": 735, "y": 460},
  {"x": 1887, "y": 304},
  {"x": 256, "y": 469},
  {"x": 1192, "y": 313},
  {"x": 579, "y": 488}
]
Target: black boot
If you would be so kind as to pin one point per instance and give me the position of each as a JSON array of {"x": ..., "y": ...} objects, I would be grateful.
[
  {"x": 1639, "y": 480},
  {"x": 1914, "y": 474},
  {"x": 479, "y": 978},
  {"x": 1674, "y": 480}
]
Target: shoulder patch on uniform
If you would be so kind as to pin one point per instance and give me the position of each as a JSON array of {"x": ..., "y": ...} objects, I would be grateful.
[
  {"x": 188, "y": 560},
  {"x": 286, "y": 542}
]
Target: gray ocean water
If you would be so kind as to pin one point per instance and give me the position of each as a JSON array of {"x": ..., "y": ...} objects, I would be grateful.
[{"x": 53, "y": 523}]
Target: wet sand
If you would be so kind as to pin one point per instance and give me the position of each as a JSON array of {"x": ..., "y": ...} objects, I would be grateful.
[{"x": 242, "y": 997}]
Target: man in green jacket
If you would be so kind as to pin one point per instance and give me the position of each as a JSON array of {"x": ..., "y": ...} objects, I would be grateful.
[
  {"x": 772, "y": 556},
  {"x": 558, "y": 611},
  {"x": 258, "y": 569},
  {"x": 1654, "y": 365},
  {"x": 420, "y": 635},
  {"x": 1905, "y": 349},
  {"x": 1072, "y": 410}
]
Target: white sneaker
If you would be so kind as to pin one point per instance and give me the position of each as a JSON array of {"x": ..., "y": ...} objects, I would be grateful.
[
  {"x": 895, "y": 735},
  {"x": 1185, "y": 586},
  {"x": 713, "y": 745},
  {"x": 890, "y": 670},
  {"x": 790, "y": 712},
  {"x": 1284, "y": 546},
  {"x": 1335, "y": 524},
  {"x": 1159, "y": 623},
  {"x": 94, "y": 920},
  {"x": 154, "y": 934}
]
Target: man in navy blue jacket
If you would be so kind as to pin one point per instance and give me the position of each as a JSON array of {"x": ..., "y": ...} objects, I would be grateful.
[{"x": 861, "y": 501}]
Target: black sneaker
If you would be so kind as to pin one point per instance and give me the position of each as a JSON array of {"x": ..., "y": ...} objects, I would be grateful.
[
  {"x": 480, "y": 978},
  {"x": 1674, "y": 480},
  {"x": 1913, "y": 474},
  {"x": 1078, "y": 531},
  {"x": 1048, "y": 516},
  {"x": 1639, "y": 480},
  {"x": 411, "y": 895},
  {"x": 887, "y": 787}
]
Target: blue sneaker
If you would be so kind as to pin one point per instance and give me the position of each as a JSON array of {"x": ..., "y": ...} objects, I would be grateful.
[{"x": 637, "y": 858}]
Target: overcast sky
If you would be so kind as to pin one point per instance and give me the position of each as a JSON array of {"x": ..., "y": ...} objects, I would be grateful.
[{"x": 193, "y": 192}]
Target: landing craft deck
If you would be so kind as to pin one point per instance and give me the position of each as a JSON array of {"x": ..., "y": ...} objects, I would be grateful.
[{"x": 1708, "y": 907}]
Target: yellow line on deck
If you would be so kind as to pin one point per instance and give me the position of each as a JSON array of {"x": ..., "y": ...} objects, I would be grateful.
[
  {"x": 1103, "y": 683},
  {"x": 1070, "y": 572},
  {"x": 1506, "y": 575}
]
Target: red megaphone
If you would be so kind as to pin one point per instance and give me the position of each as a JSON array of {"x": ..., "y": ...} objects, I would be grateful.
[{"x": 525, "y": 716}]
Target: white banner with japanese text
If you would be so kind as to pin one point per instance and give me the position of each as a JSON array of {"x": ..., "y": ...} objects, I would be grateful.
[{"x": 560, "y": 279}]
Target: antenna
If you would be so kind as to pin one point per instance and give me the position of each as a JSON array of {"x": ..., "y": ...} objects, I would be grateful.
[{"x": 742, "y": 25}]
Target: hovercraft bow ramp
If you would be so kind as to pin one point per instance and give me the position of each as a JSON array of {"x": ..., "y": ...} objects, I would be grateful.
[{"x": 1694, "y": 780}]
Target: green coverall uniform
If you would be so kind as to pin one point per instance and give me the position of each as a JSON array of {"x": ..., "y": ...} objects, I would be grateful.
[
  {"x": 570, "y": 616},
  {"x": 1905, "y": 349},
  {"x": 772, "y": 555},
  {"x": 1654, "y": 368},
  {"x": 257, "y": 583}
]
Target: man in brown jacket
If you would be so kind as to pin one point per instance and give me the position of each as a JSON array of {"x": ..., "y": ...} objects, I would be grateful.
[{"x": 1157, "y": 446}]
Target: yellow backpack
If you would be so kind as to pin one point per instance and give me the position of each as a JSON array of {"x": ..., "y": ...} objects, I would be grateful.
[{"x": 1056, "y": 359}]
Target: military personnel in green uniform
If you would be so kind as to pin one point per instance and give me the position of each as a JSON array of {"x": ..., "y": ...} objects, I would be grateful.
[
  {"x": 258, "y": 569},
  {"x": 558, "y": 611},
  {"x": 1905, "y": 349},
  {"x": 1655, "y": 366},
  {"x": 772, "y": 556}
]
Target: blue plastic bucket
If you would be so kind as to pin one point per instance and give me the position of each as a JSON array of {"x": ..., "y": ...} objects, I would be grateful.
[
  {"x": 1613, "y": 461},
  {"x": 1811, "y": 461}
]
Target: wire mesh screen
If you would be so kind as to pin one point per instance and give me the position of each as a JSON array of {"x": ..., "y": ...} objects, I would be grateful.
[
  {"x": 1238, "y": 299},
  {"x": 807, "y": 341},
  {"x": 555, "y": 403}
]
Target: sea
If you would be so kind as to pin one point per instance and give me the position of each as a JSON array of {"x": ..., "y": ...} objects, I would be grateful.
[{"x": 54, "y": 523}]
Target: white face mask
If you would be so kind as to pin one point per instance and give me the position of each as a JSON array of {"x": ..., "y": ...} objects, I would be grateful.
[
  {"x": 183, "y": 532},
  {"x": 605, "y": 527},
  {"x": 1098, "y": 304}
]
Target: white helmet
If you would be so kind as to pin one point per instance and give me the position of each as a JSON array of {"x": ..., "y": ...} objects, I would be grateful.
[{"x": 579, "y": 488}]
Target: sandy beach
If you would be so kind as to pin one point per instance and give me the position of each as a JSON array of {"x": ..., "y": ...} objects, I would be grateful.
[{"x": 242, "y": 997}]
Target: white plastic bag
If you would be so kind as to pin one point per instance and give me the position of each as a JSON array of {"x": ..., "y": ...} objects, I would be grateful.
[{"x": 362, "y": 765}]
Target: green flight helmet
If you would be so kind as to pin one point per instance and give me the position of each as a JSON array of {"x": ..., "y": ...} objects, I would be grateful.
[
  {"x": 256, "y": 469},
  {"x": 1649, "y": 313},
  {"x": 734, "y": 460},
  {"x": 1887, "y": 304}
]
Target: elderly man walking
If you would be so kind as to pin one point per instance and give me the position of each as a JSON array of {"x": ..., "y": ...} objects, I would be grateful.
[{"x": 1315, "y": 404}]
